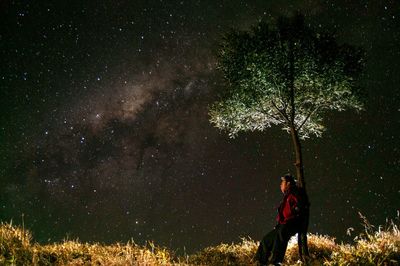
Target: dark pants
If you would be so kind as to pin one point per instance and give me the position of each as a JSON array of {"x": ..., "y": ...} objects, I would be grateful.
[{"x": 273, "y": 246}]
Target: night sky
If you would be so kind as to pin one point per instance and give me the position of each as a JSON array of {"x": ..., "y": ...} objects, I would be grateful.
[{"x": 104, "y": 132}]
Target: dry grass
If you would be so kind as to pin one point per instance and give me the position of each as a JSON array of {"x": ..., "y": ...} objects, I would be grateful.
[
  {"x": 379, "y": 246},
  {"x": 75, "y": 253},
  {"x": 15, "y": 246},
  {"x": 16, "y": 249},
  {"x": 372, "y": 247},
  {"x": 224, "y": 254},
  {"x": 320, "y": 247}
]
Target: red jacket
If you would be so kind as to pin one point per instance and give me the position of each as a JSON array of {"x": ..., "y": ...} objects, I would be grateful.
[{"x": 288, "y": 209}]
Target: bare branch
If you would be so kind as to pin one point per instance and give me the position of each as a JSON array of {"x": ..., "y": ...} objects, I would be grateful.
[
  {"x": 308, "y": 116},
  {"x": 281, "y": 112},
  {"x": 280, "y": 96},
  {"x": 262, "y": 110}
]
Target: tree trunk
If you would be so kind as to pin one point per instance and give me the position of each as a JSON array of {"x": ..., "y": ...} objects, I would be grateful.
[
  {"x": 299, "y": 158},
  {"x": 305, "y": 213},
  {"x": 302, "y": 234}
]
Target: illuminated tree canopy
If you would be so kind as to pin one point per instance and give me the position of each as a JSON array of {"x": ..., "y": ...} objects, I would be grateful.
[{"x": 284, "y": 74}]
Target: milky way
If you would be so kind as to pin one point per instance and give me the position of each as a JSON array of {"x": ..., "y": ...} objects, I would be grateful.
[{"x": 105, "y": 133}]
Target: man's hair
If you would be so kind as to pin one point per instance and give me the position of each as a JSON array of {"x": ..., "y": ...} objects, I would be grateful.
[{"x": 289, "y": 178}]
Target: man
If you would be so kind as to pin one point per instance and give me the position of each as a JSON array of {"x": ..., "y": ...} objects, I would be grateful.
[{"x": 273, "y": 246}]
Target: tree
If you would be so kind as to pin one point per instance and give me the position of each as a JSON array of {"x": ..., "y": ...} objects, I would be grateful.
[{"x": 289, "y": 75}]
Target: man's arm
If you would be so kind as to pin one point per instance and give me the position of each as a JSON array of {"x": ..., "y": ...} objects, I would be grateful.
[{"x": 291, "y": 208}]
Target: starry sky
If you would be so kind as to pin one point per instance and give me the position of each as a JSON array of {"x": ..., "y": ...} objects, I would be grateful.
[{"x": 104, "y": 132}]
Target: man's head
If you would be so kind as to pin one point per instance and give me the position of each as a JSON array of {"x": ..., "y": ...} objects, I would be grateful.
[{"x": 287, "y": 182}]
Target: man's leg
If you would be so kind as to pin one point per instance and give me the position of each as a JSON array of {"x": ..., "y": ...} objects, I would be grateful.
[
  {"x": 265, "y": 247},
  {"x": 283, "y": 235}
]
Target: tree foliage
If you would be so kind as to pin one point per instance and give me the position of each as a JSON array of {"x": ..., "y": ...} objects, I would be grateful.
[{"x": 284, "y": 74}]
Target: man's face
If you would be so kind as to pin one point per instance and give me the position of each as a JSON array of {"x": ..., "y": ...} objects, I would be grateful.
[{"x": 284, "y": 186}]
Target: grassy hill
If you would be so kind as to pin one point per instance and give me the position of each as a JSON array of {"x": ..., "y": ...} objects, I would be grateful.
[{"x": 379, "y": 246}]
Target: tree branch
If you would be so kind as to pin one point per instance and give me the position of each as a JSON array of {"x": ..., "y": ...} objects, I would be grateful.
[
  {"x": 308, "y": 116},
  {"x": 285, "y": 116},
  {"x": 262, "y": 110},
  {"x": 291, "y": 85},
  {"x": 284, "y": 103}
]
